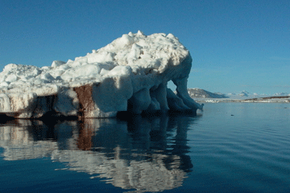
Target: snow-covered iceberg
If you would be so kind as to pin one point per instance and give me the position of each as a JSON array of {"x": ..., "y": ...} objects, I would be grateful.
[{"x": 129, "y": 74}]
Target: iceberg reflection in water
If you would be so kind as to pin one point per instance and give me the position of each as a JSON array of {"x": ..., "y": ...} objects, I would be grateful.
[{"x": 144, "y": 154}]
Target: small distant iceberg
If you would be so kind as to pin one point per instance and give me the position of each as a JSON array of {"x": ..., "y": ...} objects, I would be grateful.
[{"x": 129, "y": 74}]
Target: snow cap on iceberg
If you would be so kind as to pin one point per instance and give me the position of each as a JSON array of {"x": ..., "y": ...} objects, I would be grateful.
[{"x": 129, "y": 74}]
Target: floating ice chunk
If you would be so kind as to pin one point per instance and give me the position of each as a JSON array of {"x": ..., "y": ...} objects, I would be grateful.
[{"x": 129, "y": 74}]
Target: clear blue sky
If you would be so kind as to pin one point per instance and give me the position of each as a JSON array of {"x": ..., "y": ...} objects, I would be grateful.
[{"x": 235, "y": 44}]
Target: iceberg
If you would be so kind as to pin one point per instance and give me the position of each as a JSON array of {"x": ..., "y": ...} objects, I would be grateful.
[{"x": 128, "y": 75}]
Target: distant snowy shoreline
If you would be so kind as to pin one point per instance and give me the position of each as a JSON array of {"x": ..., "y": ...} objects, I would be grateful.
[{"x": 203, "y": 96}]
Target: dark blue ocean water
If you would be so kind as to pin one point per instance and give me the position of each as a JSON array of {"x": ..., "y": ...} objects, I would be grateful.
[{"x": 229, "y": 147}]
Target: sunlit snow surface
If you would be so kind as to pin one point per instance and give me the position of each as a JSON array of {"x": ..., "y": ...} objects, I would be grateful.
[{"x": 130, "y": 73}]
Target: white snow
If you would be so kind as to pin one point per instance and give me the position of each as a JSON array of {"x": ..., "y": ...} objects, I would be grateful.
[{"x": 134, "y": 69}]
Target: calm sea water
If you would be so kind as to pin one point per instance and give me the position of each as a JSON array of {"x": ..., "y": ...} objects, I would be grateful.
[{"x": 230, "y": 147}]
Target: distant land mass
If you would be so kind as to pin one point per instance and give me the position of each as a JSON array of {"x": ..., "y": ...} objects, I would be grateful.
[
  {"x": 204, "y": 96},
  {"x": 200, "y": 93}
]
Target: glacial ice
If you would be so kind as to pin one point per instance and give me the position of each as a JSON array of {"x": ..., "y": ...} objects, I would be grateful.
[{"x": 129, "y": 74}]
